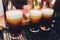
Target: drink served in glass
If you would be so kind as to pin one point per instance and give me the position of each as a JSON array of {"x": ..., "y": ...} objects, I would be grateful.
[
  {"x": 47, "y": 18},
  {"x": 35, "y": 16},
  {"x": 14, "y": 21}
]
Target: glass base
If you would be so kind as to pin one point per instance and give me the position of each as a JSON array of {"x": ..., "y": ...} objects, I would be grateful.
[
  {"x": 7, "y": 36},
  {"x": 45, "y": 29},
  {"x": 17, "y": 38},
  {"x": 34, "y": 31}
]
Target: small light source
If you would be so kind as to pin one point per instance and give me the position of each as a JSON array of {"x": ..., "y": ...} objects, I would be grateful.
[
  {"x": 39, "y": 1},
  {"x": 53, "y": 21},
  {"x": 52, "y": 25},
  {"x": 53, "y": 1}
]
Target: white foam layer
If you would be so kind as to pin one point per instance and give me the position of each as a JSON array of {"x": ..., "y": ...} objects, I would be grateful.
[
  {"x": 53, "y": 1},
  {"x": 35, "y": 12},
  {"x": 47, "y": 11},
  {"x": 14, "y": 14},
  {"x": 34, "y": 31},
  {"x": 39, "y": 1}
]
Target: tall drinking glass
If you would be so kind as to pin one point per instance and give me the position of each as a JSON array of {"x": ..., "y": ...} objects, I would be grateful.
[
  {"x": 35, "y": 16},
  {"x": 47, "y": 18},
  {"x": 14, "y": 21}
]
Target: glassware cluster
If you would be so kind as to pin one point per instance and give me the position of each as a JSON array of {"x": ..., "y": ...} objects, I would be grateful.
[{"x": 38, "y": 17}]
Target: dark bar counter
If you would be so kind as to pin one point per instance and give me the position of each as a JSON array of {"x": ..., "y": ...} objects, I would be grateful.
[
  {"x": 52, "y": 34},
  {"x": 42, "y": 35}
]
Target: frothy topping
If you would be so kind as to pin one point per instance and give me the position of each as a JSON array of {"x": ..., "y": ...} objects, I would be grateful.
[
  {"x": 53, "y": 1},
  {"x": 35, "y": 12},
  {"x": 47, "y": 11},
  {"x": 39, "y": 1},
  {"x": 14, "y": 14}
]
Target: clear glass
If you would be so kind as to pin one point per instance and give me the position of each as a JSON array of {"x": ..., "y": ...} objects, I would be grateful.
[
  {"x": 47, "y": 18},
  {"x": 14, "y": 21},
  {"x": 35, "y": 16},
  {"x": 47, "y": 13}
]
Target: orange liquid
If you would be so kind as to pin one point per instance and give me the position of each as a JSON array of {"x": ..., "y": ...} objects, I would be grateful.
[
  {"x": 14, "y": 21},
  {"x": 35, "y": 18},
  {"x": 47, "y": 15},
  {"x": 15, "y": 26}
]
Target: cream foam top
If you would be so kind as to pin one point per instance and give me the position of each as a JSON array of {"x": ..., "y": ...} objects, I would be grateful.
[
  {"x": 35, "y": 12},
  {"x": 47, "y": 11},
  {"x": 53, "y": 1},
  {"x": 14, "y": 14}
]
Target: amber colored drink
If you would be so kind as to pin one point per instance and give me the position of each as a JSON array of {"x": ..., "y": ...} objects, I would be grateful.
[
  {"x": 47, "y": 12},
  {"x": 35, "y": 15},
  {"x": 14, "y": 21},
  {"x": 47, "y": 16}
]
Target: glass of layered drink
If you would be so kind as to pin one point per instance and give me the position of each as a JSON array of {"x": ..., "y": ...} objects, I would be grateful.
[
  {"x": 35, "y": 16},
  {"x": 47, "y": 18},
  {"x": 14, "y": 21}
]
